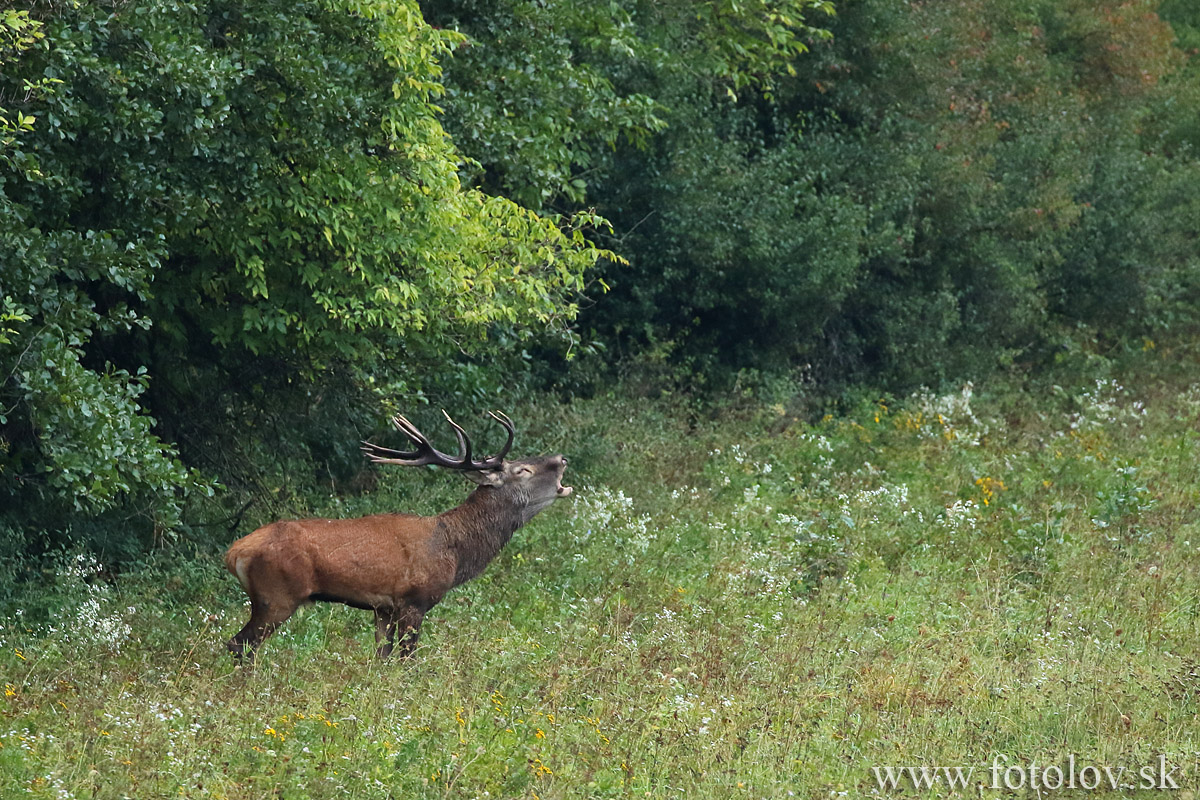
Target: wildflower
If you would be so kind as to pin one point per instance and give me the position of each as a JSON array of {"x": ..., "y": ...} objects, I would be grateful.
[{"x": 989, "y": 487}]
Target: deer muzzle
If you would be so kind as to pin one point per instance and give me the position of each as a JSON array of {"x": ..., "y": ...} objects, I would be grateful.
[{"x": 562, "y": 491}]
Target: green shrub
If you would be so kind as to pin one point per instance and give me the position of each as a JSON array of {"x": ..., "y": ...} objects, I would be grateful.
[{"x": 217, "y": 218}]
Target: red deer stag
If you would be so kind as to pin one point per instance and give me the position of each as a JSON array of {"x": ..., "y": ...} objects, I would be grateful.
[{"x": 397, "y": 565}]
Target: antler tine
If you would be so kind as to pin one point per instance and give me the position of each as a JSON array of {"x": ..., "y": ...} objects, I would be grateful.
[
  {"x": 464, "y": 442},
  {"x": 408, "y": 429},
  {"x": 507, "y": 424},
  {"x": 386, "y": 455},
  {"x": 375, "y": 451},
  {"x": 425, "y": 453}
]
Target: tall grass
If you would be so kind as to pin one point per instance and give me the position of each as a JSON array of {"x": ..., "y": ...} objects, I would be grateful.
[{"x": 739, "y": 606}]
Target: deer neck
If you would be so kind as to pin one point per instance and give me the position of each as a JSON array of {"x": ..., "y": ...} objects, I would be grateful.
[{"x": 476, "y": 531}]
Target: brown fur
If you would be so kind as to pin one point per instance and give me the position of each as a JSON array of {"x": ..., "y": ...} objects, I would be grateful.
[{"x": 397, "y": 565}]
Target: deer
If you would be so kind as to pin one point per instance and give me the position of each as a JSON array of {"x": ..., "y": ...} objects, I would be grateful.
[{"x": 396, "y": 565}]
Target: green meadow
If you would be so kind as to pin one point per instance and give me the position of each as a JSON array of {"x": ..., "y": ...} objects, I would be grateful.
[{"x": 742, "y": 602}]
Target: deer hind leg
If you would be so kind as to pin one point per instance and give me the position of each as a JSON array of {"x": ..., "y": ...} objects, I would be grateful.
[
  {"x": 265, "y": 618},
  {"x": 406, "y": 619}
]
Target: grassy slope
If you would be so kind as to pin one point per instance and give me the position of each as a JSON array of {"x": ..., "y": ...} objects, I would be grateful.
[{"x": 750, "y": 607}]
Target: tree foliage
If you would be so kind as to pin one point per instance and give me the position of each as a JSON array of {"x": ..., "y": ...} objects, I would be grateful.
[
  {"x": 937, "y": 190},
  {"x": 206, "y": 201},
  {"x": 541, "y": 92}
]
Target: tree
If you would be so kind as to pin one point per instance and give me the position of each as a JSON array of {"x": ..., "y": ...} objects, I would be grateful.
[
  {"x": 221, "y": 206},
  {"x": 939, "y": 190}
]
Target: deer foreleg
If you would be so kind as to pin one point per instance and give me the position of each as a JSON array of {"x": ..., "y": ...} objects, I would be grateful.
[{"x": 405, "y": 619}]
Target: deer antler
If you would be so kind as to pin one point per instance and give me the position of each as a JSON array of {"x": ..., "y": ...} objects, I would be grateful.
[{"x": 426, "y": 453}]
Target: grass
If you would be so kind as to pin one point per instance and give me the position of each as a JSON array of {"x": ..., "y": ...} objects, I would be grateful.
[{"x": 746, "y": 606}]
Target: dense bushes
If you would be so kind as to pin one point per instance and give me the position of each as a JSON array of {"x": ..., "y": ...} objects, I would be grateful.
[
  {"x": 939, "y": 189},
  {"x": 211, "y": 207}
]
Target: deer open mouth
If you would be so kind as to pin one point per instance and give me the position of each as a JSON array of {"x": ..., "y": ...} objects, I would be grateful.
[{"x": 562, "y": 491}]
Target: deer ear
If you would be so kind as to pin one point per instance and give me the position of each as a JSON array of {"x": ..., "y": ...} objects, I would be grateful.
[{"x": 491, "y": 477}]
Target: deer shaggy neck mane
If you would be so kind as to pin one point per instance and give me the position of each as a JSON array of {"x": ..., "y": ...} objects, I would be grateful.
[{"x": 478, "y": 530}]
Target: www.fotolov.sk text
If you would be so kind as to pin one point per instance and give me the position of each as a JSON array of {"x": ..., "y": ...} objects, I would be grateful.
[{"x": 1005, "y": 775}]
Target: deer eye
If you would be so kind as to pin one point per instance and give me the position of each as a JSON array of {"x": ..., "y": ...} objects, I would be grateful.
[{"x": 523, "y": 471}]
